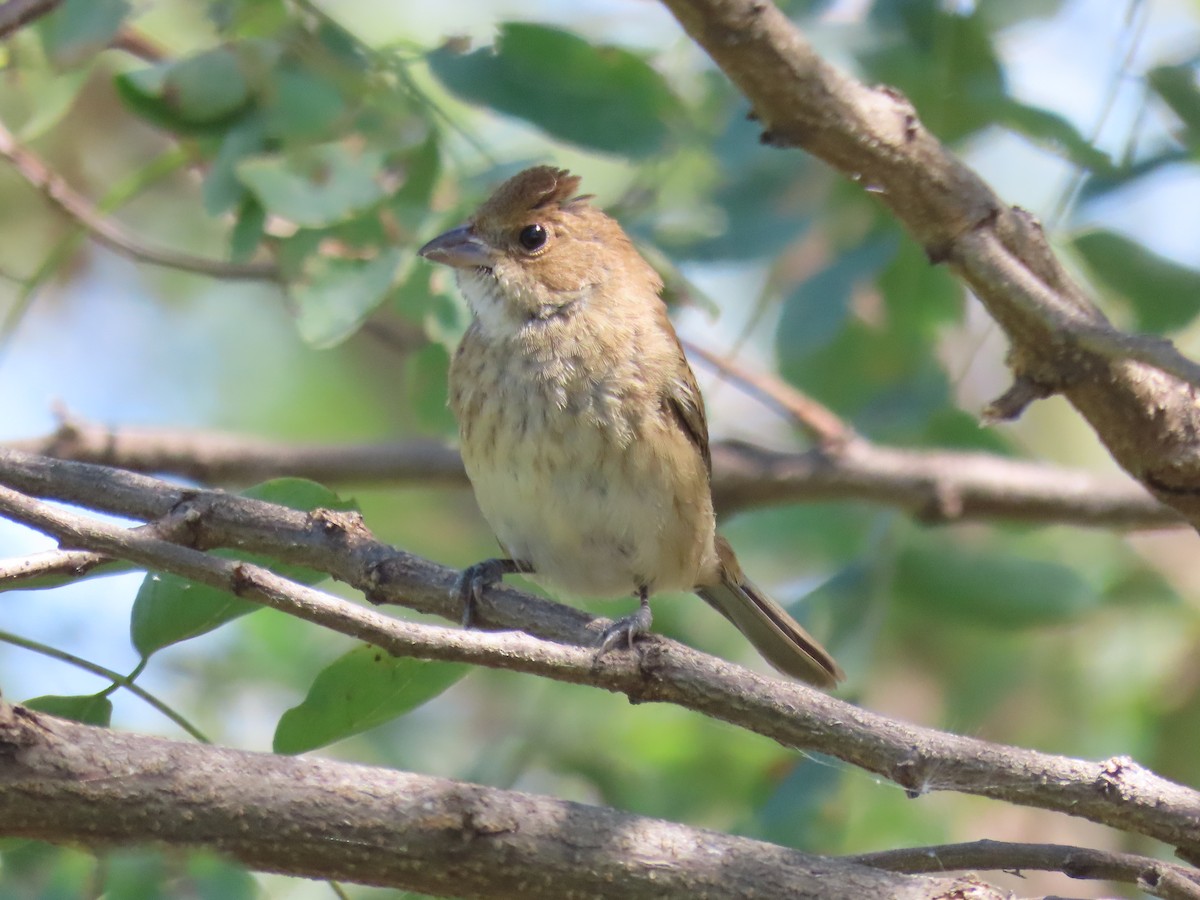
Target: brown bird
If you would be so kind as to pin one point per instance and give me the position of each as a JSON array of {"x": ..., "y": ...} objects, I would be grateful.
[{"x": 582, "y": 427}]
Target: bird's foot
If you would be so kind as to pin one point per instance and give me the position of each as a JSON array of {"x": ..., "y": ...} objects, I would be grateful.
[
  {"x": 476, "y": 579},
  {"x": 628, "y": 627}
]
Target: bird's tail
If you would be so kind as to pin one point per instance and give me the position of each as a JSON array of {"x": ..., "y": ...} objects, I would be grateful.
[{"x": 775, "y": 634}]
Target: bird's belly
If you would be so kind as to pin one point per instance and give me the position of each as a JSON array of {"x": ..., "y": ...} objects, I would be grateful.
[{"x": 594, "y": 515}]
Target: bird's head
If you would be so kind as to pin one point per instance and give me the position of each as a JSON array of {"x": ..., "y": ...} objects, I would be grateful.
[{"x": 535, "y": 249}]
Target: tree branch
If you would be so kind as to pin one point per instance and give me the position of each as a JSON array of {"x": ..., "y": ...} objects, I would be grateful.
[
  {"x": 1137, "y": 392},
  {"x": 16, "y": 14},
  {"x": 934, "y": 486},
  {"x": 1155, "y": 877},
  {"x": 322, "y": 819},
  {"x": 1116, "y": 792},
  {"x": 112, "y": 234},
  {"x": 822, "y": 424}
]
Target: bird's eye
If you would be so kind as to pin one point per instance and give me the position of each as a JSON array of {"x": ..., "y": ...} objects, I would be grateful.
[{"x": 532, "y": 237}]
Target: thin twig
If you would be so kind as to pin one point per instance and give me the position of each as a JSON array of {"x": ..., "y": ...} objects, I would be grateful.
[
  {"x": 1154, "y": 876},
  {"x": 822, "y": 423},
  {"x": 51, "y": 568},
  {"x": 16, "y": 14},
  {"x": 110, "y": 233},
  {"x": 115, "y": 677}
]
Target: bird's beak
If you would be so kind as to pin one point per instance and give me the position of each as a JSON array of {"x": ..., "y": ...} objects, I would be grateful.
[{"x": 460, "y": 248}]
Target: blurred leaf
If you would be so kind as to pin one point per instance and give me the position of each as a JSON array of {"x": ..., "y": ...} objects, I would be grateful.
[
  {"x": 315, "y": 186},
  {"x": 362, "y": 689},
  {"x": 260, "y": 18},
  {"x": 46, "y": 96},
  {"x": 757, "y": 220},
  {"x": 248, "y": 230},
  {"x": 601, "y": 97},
  {"x": 336, "y": 295},
  {"x": 443, "y": 316},
  {"x": 169, "y": 609},
  {"x": 199, "y": 93},
  {"x": 135, "y": 874},
  {"x": 33, "y": 869},
  {"x": 427, "y": 371},
  {"x": 1101, "y": 184},
  {"x": 298, "y": 493},
  {"x": 222, "y": 190},
  {"x": 954, "y": 428},
  {"x": 1006, "y": 13},
  {"x": 302, "y": 104},
  {"x": 1176, "y": 85},
  {"x": 79, "y": 29},
  {"x": 215, "y": 878},
  {"x": 820, "y": 305},
  {"x": 1139, "y": 586},
  {"x": 948, "y": 580},
  {"x": 920, "y": 297},
  {"x": 90, "y": 709},
  {"x": 1164, "y": 295},
  {"x": 421, "y": 166},
  {"x": 803, "y": 810},
  {"x": 944, "y": 63},
  {"x": 1053, "y": 131}
]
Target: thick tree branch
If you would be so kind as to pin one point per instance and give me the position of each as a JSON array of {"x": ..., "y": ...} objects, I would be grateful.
[
  {"x": 936, "y": 486},
  {"x": 1155, "y": 877},
  {"x": 1116, "y": 792},
  {"x": 61, "y": 781},
  {"x": 1136, "y": 392}
]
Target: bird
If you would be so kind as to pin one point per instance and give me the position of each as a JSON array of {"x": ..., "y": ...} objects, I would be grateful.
[{"x": 582, "y": 428}]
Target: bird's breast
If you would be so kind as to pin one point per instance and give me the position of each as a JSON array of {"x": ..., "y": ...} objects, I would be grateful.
[{"x": 577, "y": 467}]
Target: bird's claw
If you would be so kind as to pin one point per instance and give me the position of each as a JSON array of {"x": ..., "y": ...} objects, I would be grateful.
[
  {"x": 474, "y": 580},
  {"x": 626, "y": 629}
]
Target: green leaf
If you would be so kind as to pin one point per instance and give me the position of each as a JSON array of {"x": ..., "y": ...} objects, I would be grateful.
[
  {"x": 944, "y": 63},
  {"x": 601, "y": 97},
  {"x": 427, "y": 371},
  {"x": 216, "y": 878},
  {"x": 820, "y": 305},
  {"x": 90, "y": 709},
  {"x": 421, "y": 166},
  {"x": 248, "y": 230},
  {"x": 46, "y": 95},
  {"x": 169, "y": 609},
  {"x": 302, "y": 105},
  {"x": 362, "y": 689},
  {"x": 1178, "y": 89},
  {"x": 222, "y": 191},
  {"x": 335, "y": 296},
  {"x": 79, "y": 29},
  {"x": 1053, "y": 131},
  {"x": 949, "y": 581},
  {"x": 200, "y": 93},
  {"x": 315, "y": 186},
  {"x": 920, "y": 297},
  {"x": 298, "y": 493},
  {"x": 1163, "y": 295}
]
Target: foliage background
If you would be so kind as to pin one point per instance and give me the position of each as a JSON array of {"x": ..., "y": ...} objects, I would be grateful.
[{"x": 335, "y": 138}]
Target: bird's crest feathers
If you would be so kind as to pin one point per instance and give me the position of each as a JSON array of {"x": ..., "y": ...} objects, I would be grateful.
[{"x": 536, "y": 188}]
